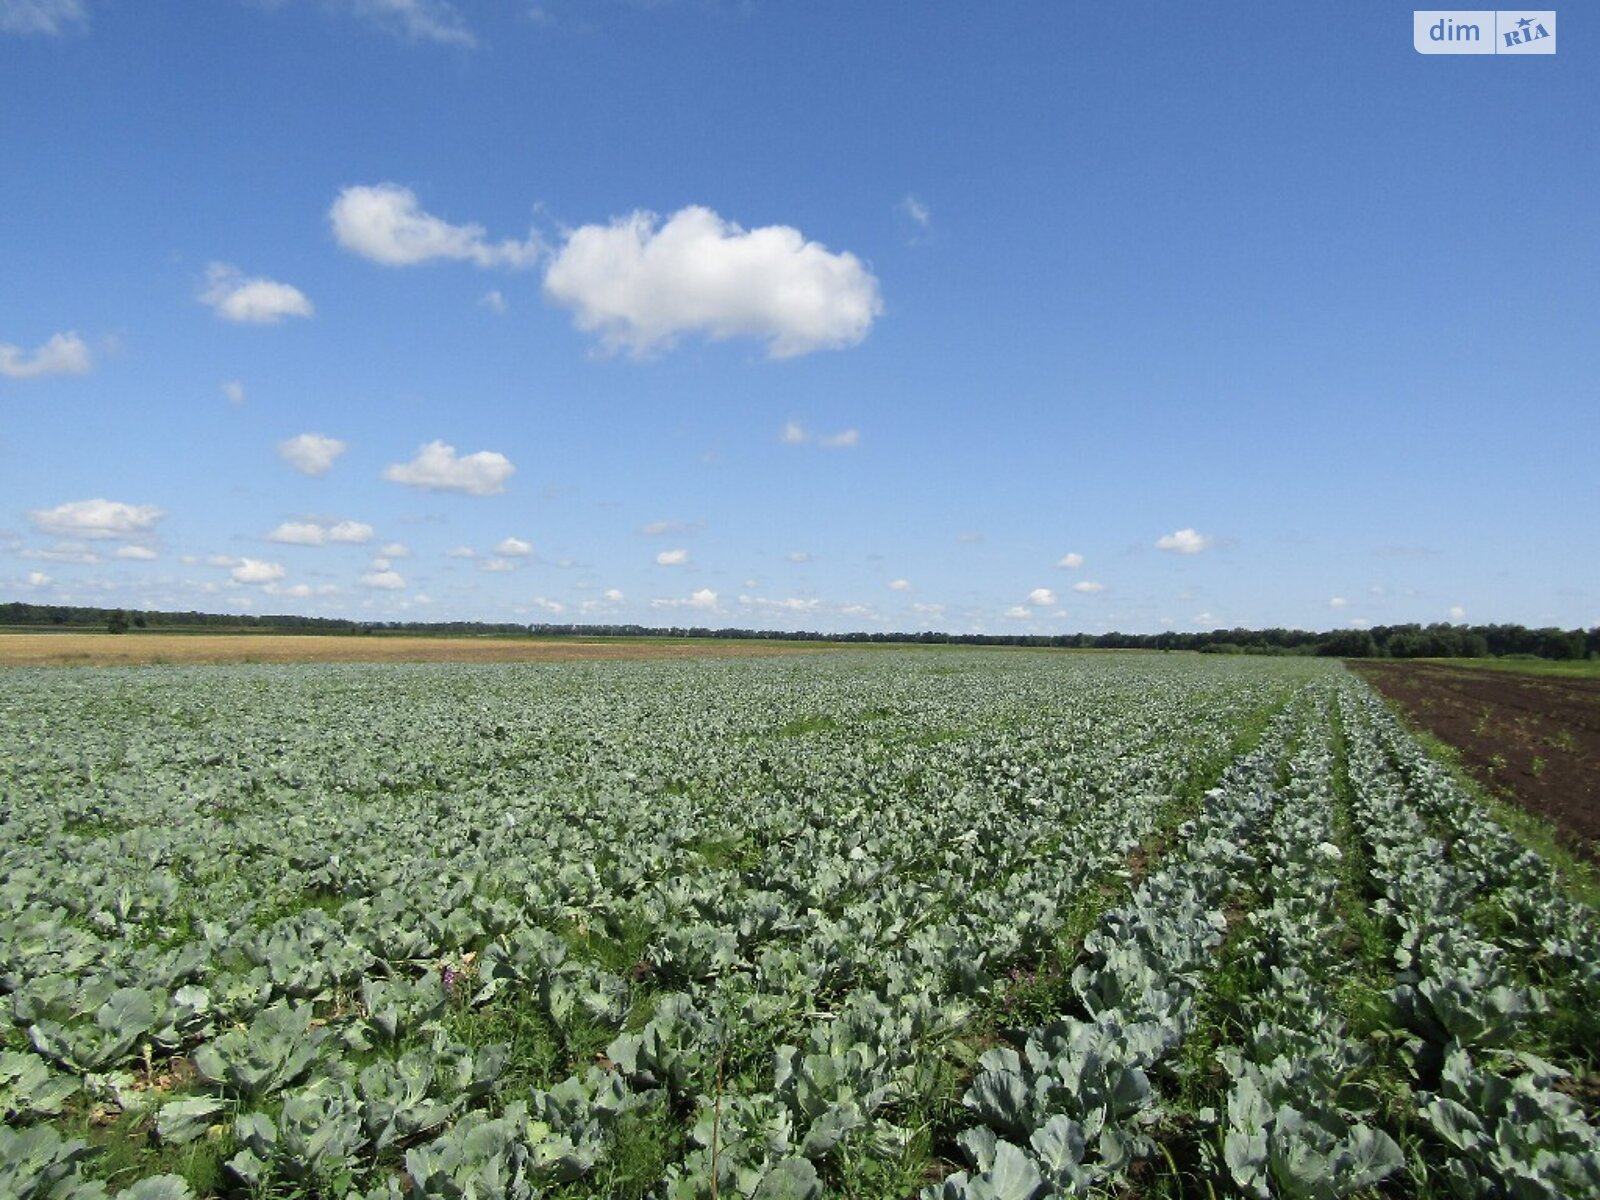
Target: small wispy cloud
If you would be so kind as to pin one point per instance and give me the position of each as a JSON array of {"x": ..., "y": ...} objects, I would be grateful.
[
  {"x": 435, "y": 21},
  {"x": 311, "y": 453},
  {"x": 387, "y": 580},
  {"x": 64, "y": 354},
  {"x": 1185, "y": 541},
  {"x": 246, "y": 301},
  {"x": 795, "y": 434},
  {"x": 42, "y": 18},
  {"x": 386, "y": 224},
  {"x": 915, "y": 218}
]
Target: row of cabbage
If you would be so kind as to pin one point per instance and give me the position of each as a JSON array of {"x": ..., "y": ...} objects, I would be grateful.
[
  {"x": 1337, "y": 802},
  {"x": 291, "y": 908},
  {"x": 1498, "y": 967}
]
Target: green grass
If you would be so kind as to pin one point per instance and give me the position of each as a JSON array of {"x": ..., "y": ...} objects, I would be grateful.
[{"x": 1580, "y": 668}]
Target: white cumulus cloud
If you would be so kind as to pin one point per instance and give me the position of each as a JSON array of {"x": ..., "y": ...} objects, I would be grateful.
[
  {"x": 514, "y": 547},
  {"x": 900, "y": 585},
  {"x": 437, "y": 468},
  {"x": 37, "y": 579},
  {"x": 1070, "y": 561},
  {"x": 1041, "y": 597},
  {"x": 356, "y": 532},
  {"x": 386, "y": 223},
  {"x": 252, "y": 301},
  {"x": 234, "y": 391},
  {"x": 254, "y": 570},
  {"x": 672, "y": 558},
  {"x": 311, "y": 453},
  {"x": 1088, "y": 586},
  {"x": 299, "y": 533},
  {"x": 63, "y": 354},
  {"x": 387, "y": 580},
  {"x": 96, "y": 519},
  {"x": 137, "y": 553},
  {"x": 395, "y": 550},
  {"x": 642, "y": 283},
  {"x": 1337, "y": 602},
  {"x": 300, "y": 591},
  {"x": 1184, "y": 541},
  {"x": 1457, "y": 613},
  {"x": 704, "y": 598},
  {"x": 497, "y": 564},
  {"x": 799, "y": 556},
  {"x": 614, "y": 594}
]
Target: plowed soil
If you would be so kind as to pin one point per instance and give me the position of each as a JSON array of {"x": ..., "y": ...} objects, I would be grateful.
[{"x": 1531, "y": 739}]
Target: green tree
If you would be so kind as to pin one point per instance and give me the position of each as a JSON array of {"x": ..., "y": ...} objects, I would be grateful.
[{"x": 117, "y": 622}]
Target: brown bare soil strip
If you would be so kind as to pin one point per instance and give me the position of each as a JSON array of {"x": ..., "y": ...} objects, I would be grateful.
[
  {"x": 1532, "y": 739},
  {"x": 106, "y": 649}
]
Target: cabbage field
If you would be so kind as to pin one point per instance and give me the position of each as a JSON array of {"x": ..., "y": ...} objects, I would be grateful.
[{"x": 962, "y": 925}]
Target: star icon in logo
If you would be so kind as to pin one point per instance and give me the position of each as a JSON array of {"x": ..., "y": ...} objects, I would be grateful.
[{"x": 1525, "y": 22}]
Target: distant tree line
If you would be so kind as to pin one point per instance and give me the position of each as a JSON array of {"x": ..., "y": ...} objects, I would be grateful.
[
  {"x": 78, "y": 617},
  {"x": 1381, "y": 641}
]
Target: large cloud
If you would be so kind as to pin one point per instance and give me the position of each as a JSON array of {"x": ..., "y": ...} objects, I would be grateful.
[
  {"x": 63, "y": 354},
  {"x": 96, "y": 519},
  {"x": 386, "y": 224},
  {"x": 252, "y": 301},
  {"x": 311, "y": 453},
  {"x": 437, "y": 468},
  {"x": 641, "y": 284}
]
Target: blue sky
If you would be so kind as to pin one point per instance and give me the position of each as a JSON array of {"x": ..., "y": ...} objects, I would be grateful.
[{"x": 1025, "y": 317}]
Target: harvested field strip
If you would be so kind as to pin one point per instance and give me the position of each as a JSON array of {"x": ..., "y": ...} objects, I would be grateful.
[{"x": 177, "y": 649}]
